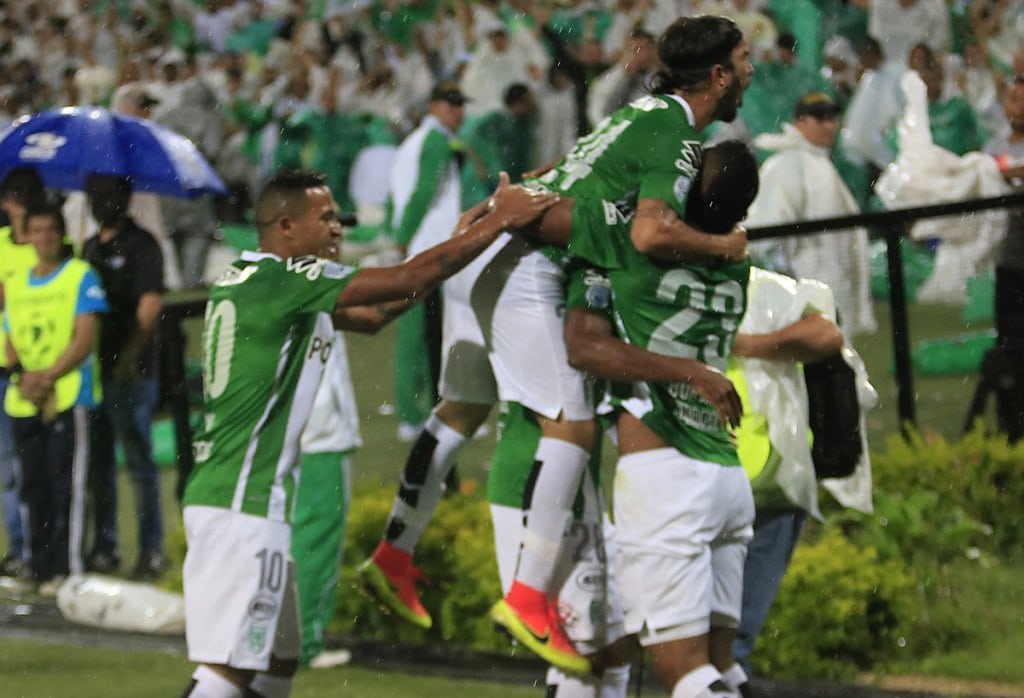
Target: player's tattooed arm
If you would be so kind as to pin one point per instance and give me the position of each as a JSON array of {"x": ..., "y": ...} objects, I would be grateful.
[{"x": 658, "y": 231}]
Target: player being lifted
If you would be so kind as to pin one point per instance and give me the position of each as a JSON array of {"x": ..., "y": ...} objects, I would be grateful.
[
  {"x": 266, "y": 337},
  {"x": 644, "y": 159},
  {"x": 683, "y": 506}
]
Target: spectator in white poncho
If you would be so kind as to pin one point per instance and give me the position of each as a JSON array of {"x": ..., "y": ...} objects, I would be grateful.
[{"x": 798, "y": 183}]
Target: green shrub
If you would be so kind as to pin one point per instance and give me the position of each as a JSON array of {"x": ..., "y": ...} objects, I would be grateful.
[
  {"x": 460, "y": 582},
  {"x": 981, "y": 474},
  {"x": 840, "y": 609},
  {"x": 922, "y": 528},
  {"x": 925, "y": 534}
]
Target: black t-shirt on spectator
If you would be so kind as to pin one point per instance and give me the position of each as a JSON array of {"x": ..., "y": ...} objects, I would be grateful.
[{"x": 129, "y": 265}]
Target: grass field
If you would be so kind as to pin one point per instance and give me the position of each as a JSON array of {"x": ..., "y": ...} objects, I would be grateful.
[{"x": 36, "y": 670}]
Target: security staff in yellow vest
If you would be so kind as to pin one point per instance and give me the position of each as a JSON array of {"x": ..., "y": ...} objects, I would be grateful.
[
  {"x": 23, "y": 187},
  {"x": 51, "y": 316}
]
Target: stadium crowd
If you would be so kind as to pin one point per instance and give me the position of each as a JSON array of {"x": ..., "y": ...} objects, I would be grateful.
[{"x": 262, "y": 85}]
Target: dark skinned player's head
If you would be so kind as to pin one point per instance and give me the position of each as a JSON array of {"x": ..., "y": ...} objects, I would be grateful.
[{"x": 724, "y": 189}]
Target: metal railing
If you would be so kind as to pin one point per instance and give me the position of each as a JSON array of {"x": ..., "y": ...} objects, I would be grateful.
[{"x": 889, "y": 225}]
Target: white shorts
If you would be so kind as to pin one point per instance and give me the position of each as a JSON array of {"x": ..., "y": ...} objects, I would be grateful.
[
  {"x": 588, "y": 599},
  {"x": 239, "y": 579},
  {"x": 466, "y": 374},
  {"x": 683, "y": 526},
  {"x": 525, "y": 335}
]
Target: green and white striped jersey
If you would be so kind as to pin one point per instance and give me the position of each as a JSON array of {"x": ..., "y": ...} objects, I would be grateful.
[{"x": 266, "y": 339}]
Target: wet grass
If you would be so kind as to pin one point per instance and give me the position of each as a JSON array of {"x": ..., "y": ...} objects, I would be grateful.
[{"x": 32, "y": 669}]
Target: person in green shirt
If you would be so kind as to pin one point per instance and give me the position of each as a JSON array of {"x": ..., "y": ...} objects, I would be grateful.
[
  {"x": 266, "y": 338},
  {"x": 498, "y": 141},
  {"x": 954, "y": 123},
  {"x": 643, "y": 158},
  {"x": 683, "y": 506}
]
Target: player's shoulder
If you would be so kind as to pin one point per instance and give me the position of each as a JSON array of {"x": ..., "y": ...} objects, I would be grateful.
[{"x": 659, "y": 110}]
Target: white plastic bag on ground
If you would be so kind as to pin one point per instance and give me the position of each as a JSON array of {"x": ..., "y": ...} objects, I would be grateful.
[
  {"x": 117, "y": 604},
  {"x": 925, "y": 174}
]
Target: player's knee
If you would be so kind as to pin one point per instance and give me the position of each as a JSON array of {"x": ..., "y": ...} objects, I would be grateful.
[{"x": 463, "y": 417}]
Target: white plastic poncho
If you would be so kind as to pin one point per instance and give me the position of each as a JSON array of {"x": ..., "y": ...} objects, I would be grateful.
[
  {"x": 799, "y": 183},
  {"x": 923, "y": 174},
  {"x": 777, "y": 390}
]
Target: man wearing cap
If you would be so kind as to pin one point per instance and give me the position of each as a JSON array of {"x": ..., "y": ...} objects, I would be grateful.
[
  {"x": 799, "y": 182},
  {"x": 425, "y": 199}
]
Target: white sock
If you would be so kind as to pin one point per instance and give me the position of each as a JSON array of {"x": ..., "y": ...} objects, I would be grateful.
[
  {"x": 615, "y": 682},
  {"x": 271, "y": 686},
  {"x": 612, "y": 684},
  {"x": 207, "y": 683},
  {"x": 562, "y": 465},
  {"x": 697, "y": 684},
  {"x": 734, "y": 677},
  {"x": 429, "y": 463}
]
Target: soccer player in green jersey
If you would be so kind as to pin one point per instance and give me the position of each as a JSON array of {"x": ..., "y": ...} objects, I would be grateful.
[
  {"x": 266, "y": 338},
  {"x": 643, "y": 158},
  {"x": 683, "y": 507}
]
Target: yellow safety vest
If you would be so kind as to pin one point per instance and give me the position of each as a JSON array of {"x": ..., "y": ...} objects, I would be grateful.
[
  {"x": 754, "y": 447},
  {"x": 14, "y": 258},
  {"x": 42, "y": 321}
]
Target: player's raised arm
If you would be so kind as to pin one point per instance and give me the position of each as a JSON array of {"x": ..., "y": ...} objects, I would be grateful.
[{"x": 513, "y": 207}]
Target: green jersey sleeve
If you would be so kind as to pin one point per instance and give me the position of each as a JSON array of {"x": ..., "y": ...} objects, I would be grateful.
[{"x": 673, "y": 162}]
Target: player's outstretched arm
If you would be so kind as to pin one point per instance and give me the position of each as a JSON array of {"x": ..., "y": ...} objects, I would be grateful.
[
  {"x": 371, "y": 319},
  {"x": 592, "y": 347},
  {"x": 658, "y": 231},
  {"x": 511, "y": 207},
  {"x": 811, "y": 338}
]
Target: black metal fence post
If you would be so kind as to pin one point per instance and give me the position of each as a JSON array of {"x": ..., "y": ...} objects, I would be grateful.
[{"x": 900, "y": 327}]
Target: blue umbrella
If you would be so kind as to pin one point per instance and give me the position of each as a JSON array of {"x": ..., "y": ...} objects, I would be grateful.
[{"x": 66, "y": 146}]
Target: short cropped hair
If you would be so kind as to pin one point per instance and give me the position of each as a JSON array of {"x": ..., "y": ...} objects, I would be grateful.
[
  {"x": 53, "y": 212},
  {"x": 516, "y": 93},
  {"x": 283, "y": 192},
  {"x": 726, "y": 186},
  {"x": 690, "y": 47}
]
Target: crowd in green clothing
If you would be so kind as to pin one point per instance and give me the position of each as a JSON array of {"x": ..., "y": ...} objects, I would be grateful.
[{"x": 311, "y": 84}]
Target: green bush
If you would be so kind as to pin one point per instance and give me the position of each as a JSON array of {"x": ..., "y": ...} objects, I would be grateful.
[
  {"x": 460, "y": 574},
  {"x": 840, "y": 609},
  {"x": 922, "y": 528},
  {"x": 982, "y": 474}
]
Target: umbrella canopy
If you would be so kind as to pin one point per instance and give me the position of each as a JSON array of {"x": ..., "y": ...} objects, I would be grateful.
[{"x": 66, "y": 146}]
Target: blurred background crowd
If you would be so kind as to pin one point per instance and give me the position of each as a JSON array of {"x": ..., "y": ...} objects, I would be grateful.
[{"x": 264, "y": 84}]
